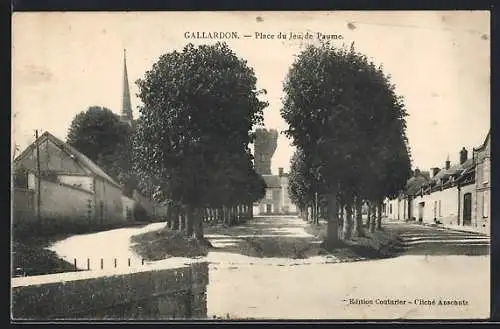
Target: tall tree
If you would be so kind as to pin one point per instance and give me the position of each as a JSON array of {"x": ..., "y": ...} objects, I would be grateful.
[
  {"x": 105, "y": 139},
  {"x": 199, "y": 105},
  {"x": 340, "y": 109}
]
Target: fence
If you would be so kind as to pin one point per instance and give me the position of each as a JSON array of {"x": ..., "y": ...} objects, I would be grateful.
[
  {"x": 86, "y": 264},
  {"x": 153, "y": 295}
]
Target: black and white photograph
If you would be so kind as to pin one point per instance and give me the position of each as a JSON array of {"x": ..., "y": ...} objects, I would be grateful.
[{"x": 224, "y": 166}]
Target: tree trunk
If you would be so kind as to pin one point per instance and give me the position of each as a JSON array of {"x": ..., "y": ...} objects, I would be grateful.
[
  {"x": 169, "y": 217},
  {"x": 368, "y": 216},
  {"x": 373, "y": 216},
  {"x": 313, "y": 214},
  {"x": 175, "y": 218},
  {"x": 198, "y": 224},
  {"x": 182, "y": 220},
  {"x": 210, "y": 215},
  {"x": 358, "y": 223},
  {"x": 341, "y": 217},
  {"x": 379, "y": 215},
  {"x": 206, "y": 214},
  {"x": 225, "y": 215},
  {"x": 332, "y": 236},
  {"x": 190, "y": 221},
  {"x": 348, "y": 222},
  {"x": 231, "y": 215}
]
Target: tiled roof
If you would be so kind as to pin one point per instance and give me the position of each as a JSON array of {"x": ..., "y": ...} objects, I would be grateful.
[
  {"x": 456, "y": 170},
  {"x": 272, "y": 180},
  {"x": 443, "y": 177},
  {"x": 415, "y": 183}
]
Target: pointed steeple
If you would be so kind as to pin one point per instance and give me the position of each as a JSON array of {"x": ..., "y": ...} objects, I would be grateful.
[{"x": 126, "y": 114}]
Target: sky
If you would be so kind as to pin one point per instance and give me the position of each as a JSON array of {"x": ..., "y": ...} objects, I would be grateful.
[{"x": 64, "y": 62}]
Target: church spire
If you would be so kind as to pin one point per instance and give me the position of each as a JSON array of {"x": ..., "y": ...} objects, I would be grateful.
[{"x": 126, "y": 106}]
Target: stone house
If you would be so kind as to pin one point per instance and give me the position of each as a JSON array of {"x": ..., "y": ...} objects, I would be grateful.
[
  {"x": 482, "y": 160},
  {"x": 72, "y": 187},
  {"x": 455, "y": 196},
  {"x": 276, "y": 200},
  {"x": 400, "y": 208}
]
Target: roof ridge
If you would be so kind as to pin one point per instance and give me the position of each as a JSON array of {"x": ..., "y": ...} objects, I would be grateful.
[{"x": 91, "y": 165}]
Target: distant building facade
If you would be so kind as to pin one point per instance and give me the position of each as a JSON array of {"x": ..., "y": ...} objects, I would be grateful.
[
  {"x": 453, "y": 196},
  {"x": 276, "y": 200}
]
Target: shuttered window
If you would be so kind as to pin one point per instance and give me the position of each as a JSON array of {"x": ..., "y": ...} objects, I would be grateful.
[{"x": 486, "y": 204}]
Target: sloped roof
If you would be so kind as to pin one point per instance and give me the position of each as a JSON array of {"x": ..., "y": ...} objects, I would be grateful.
[
  {"x": 272, "y": 180},
  {"x": 488, "y": 135},
  {"x": 456, "y": 169},
  {"x": 414, "y": 184},
  {"x": 78, "y": 156}
]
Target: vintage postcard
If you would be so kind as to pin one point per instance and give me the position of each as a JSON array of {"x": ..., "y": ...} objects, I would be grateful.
[{"x": 251, "y": 165}]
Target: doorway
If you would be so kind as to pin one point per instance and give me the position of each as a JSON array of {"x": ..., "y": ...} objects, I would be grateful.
[
  {"x": 421, "y": 206},
  {"x": 269, "y": 208},
  {"x": 467, "y": 212}
]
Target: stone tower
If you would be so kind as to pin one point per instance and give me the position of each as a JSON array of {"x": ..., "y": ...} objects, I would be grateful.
[
  {"x": 126, "y": 114},
  {"x": 265, "y": 145}
]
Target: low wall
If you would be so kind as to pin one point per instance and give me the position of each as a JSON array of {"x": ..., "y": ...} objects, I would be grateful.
[
  {"x": 63, "y": 201},
  {"x": 23, "y": 204},
  {"x": 153, "y": 295}
]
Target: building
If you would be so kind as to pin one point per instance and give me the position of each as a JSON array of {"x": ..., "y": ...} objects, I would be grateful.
[
  {"x": 400, "y": 208},
  {"x": 276, "y": 200},
  {"x": 266, "y": 141},
  {"x": 454, "y": 196},
  {"x": 439, "y": 201},
  {"x": 482, "y": 160},
  {"x": 126, "y": 114},
  {"x": 72, "y": 187}
]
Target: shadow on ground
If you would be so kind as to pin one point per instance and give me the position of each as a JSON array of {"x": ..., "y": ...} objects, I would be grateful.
[
  {"x": 282, "y": 237},
  {"x": 424, "y": 240}
]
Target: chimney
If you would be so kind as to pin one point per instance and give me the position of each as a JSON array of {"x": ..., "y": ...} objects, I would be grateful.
[
  {"x": 463, "y": 155},
  {"x": 280, "y": 171},
  {"x": 447, "y": 163},
  {"x": 434, "y": 171}
]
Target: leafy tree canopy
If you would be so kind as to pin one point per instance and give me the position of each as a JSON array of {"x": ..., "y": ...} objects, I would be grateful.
[
  {"x": 105, "y": 139},
  {"x": 200, "y": 106}
]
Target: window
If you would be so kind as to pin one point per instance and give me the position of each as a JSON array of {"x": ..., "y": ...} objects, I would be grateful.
[
  {"x": 486, "y": 204},
  {"x": 276, "y": 195},
  {"x": 486, "y": 171},
  {"x": 390, "y": 208},
  {"x": 269, "y": 194},
  {"x": 439, "y": 206}
]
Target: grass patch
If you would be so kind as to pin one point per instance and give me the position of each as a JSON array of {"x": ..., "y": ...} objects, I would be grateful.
[
  {"x": 281, "y": 247},
  {"x": 379, "y": 244},
  {"x": 29, "y": 243},
  {"x": 164, "y": 244},
  {"x": 31, "y": 258}
]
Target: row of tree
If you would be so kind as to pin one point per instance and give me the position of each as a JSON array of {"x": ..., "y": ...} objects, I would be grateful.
[
  {"x": 190, "y": 146},
  {"x": 349, "y": 129}
]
